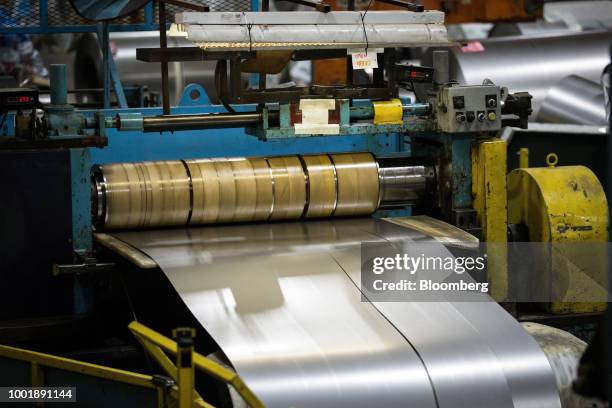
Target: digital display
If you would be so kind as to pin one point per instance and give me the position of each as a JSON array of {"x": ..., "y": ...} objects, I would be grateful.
[{"x": 20, "y": 99}]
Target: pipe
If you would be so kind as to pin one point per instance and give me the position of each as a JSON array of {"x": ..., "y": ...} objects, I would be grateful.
[
  {"x": 403, "y": 185},
  {"x": 59, "y": 92},
  {"x": 195, "y": 122}
]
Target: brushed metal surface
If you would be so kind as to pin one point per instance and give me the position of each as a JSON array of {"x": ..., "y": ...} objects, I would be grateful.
[
  {"x": 574, "y": 100},
  {"x": 282, "y": 300},
  {"x": 532, "y": 64},
  {"x": 476, "y": 354}
]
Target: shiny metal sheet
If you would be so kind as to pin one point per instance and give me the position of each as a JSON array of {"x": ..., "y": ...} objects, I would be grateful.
[
  {"x": 282, "y": 301},
  {"x": 487, "y": 348},
  {"x": 574, "y": 100},
  {"x": 290, "y": 321}
]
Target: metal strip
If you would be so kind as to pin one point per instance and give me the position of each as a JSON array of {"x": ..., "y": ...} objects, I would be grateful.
[{"x": 282, "y": 300}]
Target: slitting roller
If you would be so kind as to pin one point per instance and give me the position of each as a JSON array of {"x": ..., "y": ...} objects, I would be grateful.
[{"x": 225, "y": 190}]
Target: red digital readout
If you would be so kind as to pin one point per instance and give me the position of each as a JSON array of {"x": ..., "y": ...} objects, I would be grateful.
[{"x": 19, "y": 99}]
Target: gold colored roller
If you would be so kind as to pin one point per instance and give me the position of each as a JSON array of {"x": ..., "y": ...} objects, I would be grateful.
[
  {"x": 322, "y": 186},
  {"x": 176, "y": 193},
  {"x": 246, "y": 189},
  {"x": 122, "y": 194},
  {"x": 205, "y": 188},
  {"x": 289, "y": 187},
  {"x": 265, "y": 193},
  {"x": 227, "y": 190},
  {"x": 358, "y": 185},
  {"x": 224, "y": 190},
  {"x": 146, "y": 194}
]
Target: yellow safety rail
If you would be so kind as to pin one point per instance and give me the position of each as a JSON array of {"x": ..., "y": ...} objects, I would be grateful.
[
  {"x": 39, "y": 360},
  {"x": 158, "y": 345}
]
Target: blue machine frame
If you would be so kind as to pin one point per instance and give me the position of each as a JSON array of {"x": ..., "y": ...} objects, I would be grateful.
[{"x": 132, "y": 146}]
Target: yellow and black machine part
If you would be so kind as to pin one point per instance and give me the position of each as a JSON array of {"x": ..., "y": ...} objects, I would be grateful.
[{"x": 561, "y": 211}]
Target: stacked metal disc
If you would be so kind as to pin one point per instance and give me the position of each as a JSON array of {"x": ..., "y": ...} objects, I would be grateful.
[{"x": 225, "y": 190}]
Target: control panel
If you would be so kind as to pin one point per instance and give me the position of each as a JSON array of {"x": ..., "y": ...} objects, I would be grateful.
[
  {"x": 18, "y": 99},
  {"x": 464, "y": 109}
]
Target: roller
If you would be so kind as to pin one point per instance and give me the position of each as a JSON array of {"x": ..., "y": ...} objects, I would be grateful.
[{"x": 232, "y": 190}]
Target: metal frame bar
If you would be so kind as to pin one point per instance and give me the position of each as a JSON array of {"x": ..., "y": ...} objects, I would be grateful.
[
  {"x": 152, "y": 340},
  {"x": 39, "y": 360},
  {"x": 490, "y": 201},
  {"x": 380, "y": 89},
  {"x": 111, "y": 74}
]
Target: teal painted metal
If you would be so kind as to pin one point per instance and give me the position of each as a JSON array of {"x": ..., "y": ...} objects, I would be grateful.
[
  {"x": 345, "y": 112},
  {"x": 111, "y": 73},
  {"x": 61, "y": 118},
  {"x": 194, "y": 95},
  {"x": 80, "y": 168},
  {"x": 461, "y": 160},
  {"x": 348, "y": 116},
  {"x": 285, "y": 117},
  {"x": 138, "y": 146},
  {"x": 59, "y": 85},
  {"x": 366, "y": 129}
]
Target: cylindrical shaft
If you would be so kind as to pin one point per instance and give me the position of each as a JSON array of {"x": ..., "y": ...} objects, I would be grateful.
[
  {"x": 403, "y": 185},
  {"x": 195, "y": 122},
  {"x": 59, "y": 89}
]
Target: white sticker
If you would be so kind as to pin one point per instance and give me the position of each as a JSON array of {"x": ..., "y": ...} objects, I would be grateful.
[{"x": 365, "y": 60}]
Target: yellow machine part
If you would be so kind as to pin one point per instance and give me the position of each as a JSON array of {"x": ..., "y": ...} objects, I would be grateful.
[
  {"x": 388, "y": 112},
  {"x": 489, "y": 201},
  {"x": 564, "y": 205}
]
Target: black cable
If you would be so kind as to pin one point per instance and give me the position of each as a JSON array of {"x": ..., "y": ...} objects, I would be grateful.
[
  {"x": 249, "y": 27},
  {"x": 365, "y": 33},
  {"x": 220, "y": 74}
]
